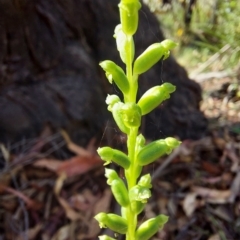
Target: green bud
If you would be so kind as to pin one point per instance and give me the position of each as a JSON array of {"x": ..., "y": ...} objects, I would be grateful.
[
  {"x": 150, "y": 227},
  {"x": 154, "y": 97},
  {"x": 156, "y": 149},
  {"x": 111, "y": 100},
  {"x": 120, "y": 192},
  {"x": 116, "y": 111},
  {"x": 112, "y": 221},
  {"x": 106, "y": 237},
  {"x": 152, "y": 55},
  {"x": 145, "y": 181},
  {"x": 129, "y": 16},
  {"x": 114, "y": 72},
  {"x": 169, "y": 44},
  {"x": 109, "y": 154},
  {"x": 122, "y": 46},
  {"x": 139, "y": 193},
  {"x": 124, "y": 212},
  {"x": 131, "y": 114},
  {"x": 137, "y": 206},
  {"x": 111, "y": 175},
  {"x": 141, "y": 140}
]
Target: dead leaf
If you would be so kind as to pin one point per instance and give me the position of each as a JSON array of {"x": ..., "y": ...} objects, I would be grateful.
[
  {"x": 74, "y": 147},
  {"x": 31, "y": 233},
  {"x": 235, "y": 187},
  {"x": 211, "y": 168},
  {"x": 214, "y": 237},
  {"x": 50, "y": 164},
  {"x": 212, "y": 195},
  {"x": 70, "y": 213},
  {"x": 63, "y": 233},
  {"x": 190, "y": 204},
  {"x": 79, "y": 165},
  {"x": 29, "y": 202}
]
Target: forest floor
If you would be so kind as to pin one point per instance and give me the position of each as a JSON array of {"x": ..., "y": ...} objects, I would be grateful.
[{"x": 198, "y": 185}]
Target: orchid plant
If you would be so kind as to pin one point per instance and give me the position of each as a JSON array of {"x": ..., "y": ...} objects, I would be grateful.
[{"x": 133, "y": 195}]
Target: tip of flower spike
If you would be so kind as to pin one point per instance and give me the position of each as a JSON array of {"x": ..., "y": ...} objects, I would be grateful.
[
  {"x": 172, "y": 142},
  {"x": 169, "y": 87},
  {"x": 101, "y": 217},
  {"x": 162, "y": 219},
  {"x": 168, "y": 44}
]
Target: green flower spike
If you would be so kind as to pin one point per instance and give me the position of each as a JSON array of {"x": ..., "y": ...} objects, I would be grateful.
[{"x": 133, "y": 192}]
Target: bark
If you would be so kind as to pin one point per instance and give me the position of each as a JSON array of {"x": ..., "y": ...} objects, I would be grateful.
[{"x": 49, "y": 72}]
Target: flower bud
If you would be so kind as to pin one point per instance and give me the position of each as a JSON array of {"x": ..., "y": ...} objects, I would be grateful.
[
  {"x": 154, "y": 97},
  {"x": 129, "y": 16},
  {"x": 168, "y": 44},
  {"x": 116, "y": 111},
  {"x": 111, "y": 100},
  {"x": 131, "y": 114},
  {"x": 147, "y": 229},
  {"x": 120, "y": 192},
  {"x": 145, "y": 181},
  {"x": 109, "y": 154},
  {"x": 141, "y": 140},
  {"x": 139, "y": 193},
  {"x": 137, "y": 206},
  {"x": 114, "y": 72},
  {"x": 156, "y": 149},
  {"x": 106, "y": 237},
  {"x": 112, "y": 221},
  {"x": 122, "y": 44},
  {"x": 152, "y": 55},
  {"x": 111, "y": 175}
]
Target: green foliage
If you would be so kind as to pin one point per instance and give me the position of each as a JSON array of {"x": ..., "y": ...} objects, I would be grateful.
[
  {"x": 127, "y": 114},
  {"x": 214, "y": 24}
]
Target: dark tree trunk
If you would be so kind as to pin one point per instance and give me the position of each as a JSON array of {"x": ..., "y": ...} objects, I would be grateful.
[{"x": 49, "y": 72}]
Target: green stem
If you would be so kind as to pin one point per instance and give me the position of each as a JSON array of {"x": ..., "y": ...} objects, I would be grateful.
[
  {"x": 132, "y": 81},
  {"x": 131, "y": 143},
  {"x": 131, "y": 180}
]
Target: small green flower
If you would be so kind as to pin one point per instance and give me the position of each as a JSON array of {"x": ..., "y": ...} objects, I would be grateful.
[
  {"x": 129, "y": 16},
  {"x": 109, "y": 154},
  {"x": 112, "y": 221},
  {"x": 139, "y": 193},
  {"x": 122, "y": 44},
  {"x": 131, "y": 114},
  {"x": 154, "y": 97},
  {"x": 120, "y": 192},
  {"x": 152, "y": 55},
  {"x": 111, "y": 100},
  {"x": 116, "y": 111},
  {"x": 145, "y": 181},
  {"x": 116, "y": 74},
  {"x": 156, "y": 149},
  {"x": 150, "y": 227}
]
